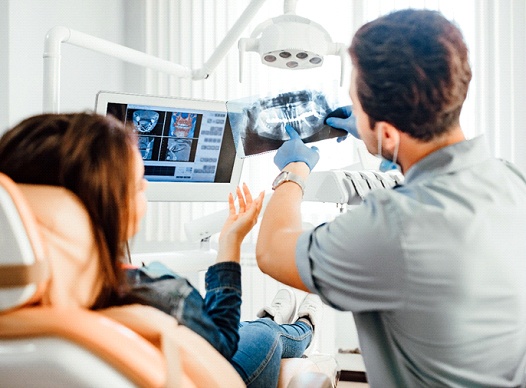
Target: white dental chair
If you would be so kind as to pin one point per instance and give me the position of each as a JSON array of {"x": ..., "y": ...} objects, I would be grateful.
[{"x": 48, "y": 338}]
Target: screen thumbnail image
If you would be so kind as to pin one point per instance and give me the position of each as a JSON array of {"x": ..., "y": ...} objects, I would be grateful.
[
  {"x": 178, "y": 149},
  {"x": 146, "y": 144},
  {"x": 147, "y": 122},
  {"x": 182, "y": 124}
]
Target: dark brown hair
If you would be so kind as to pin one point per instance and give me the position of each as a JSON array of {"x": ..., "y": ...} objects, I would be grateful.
[
  {"x": 90, "y": 155},
  {"x": 412, "y": 71}
]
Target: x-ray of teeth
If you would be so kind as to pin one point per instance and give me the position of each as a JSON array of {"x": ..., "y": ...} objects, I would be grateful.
[
  {"x": 178, "y": 149},
  {"x": 146, "y": 146},
  {"x": 259, "y": 125},
  {"x": 304, "y": 110},
  {"x": 145, "y": 120}
]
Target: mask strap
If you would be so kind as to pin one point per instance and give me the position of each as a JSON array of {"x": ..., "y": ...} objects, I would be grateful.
[
  {"x": 379, "y": 153},
  {"x": 395, "y": 154}
]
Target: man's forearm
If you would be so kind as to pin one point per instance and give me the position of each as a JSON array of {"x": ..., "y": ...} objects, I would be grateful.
[{"x": 280, "y": 228}]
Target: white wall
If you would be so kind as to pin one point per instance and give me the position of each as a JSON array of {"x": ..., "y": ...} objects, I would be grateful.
[
  {"x": 4, "y": 65},
  {"x": 499, "y": 68},
  {"x": 23, "y": 26}
]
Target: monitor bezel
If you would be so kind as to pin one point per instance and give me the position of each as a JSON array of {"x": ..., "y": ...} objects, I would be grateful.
[{"x": 177, "y": 191}]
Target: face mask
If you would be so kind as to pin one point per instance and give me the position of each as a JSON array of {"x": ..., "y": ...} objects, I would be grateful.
[{"x": 386, "y": 164}]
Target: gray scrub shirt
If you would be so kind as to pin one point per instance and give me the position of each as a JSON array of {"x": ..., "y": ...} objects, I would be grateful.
[{"x": 434, "y": 272}]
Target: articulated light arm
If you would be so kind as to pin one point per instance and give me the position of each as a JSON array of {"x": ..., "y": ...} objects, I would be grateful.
[
  {"x": 52, "y": 55},
  {"x": 228, "y": 41},
  {"x": 58, "y": 35}
]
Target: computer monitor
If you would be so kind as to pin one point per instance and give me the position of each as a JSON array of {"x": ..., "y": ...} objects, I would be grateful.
[{"x": 187, "y": 145}]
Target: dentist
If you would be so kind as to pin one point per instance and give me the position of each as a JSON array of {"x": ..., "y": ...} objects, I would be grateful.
[{"x": 434, "y": 269}]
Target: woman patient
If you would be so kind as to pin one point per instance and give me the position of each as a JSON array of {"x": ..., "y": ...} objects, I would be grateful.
[{"x": 97, "y": 159}]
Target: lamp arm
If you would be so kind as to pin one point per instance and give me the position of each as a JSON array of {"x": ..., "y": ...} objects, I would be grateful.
[
  {"x": 228, "y": 41},
  {"x": 52, "y": 55},
  {"x": 58, "y": 35},
  {"x": 342, "y": 52},
  {"x": 289, "y": 6}
]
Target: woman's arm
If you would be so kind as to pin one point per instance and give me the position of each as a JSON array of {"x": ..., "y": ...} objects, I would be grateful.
[{"x": 238, "y": 224}]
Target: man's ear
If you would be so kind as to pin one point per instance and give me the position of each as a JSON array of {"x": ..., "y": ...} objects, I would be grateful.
[{"x": 390, "y": 135}]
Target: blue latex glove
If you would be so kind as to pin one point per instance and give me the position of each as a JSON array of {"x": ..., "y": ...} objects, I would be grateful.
[
  {"x": 342, "y": 118},
  {"x": 294, "y": 150}
]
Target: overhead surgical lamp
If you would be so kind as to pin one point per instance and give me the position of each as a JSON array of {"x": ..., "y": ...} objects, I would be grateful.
[
  {"x": 291, "y": 42},
  {"x": 288, "y": 41}
]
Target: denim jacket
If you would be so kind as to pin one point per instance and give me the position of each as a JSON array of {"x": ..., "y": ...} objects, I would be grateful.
[{"x": 214, "y": 317}]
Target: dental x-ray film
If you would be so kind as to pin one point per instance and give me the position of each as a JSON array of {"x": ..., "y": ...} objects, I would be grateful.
[{"x": 258, "y": 124}]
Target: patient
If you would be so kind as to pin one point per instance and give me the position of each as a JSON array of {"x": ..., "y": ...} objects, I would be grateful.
[{"x": 97, "y": 159}]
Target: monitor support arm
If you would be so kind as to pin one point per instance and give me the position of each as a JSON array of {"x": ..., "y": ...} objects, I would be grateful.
[{"x": 58, "y": 35}]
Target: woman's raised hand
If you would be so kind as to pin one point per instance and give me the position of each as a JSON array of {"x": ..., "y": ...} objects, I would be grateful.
[{"x": 239, "y": 222}]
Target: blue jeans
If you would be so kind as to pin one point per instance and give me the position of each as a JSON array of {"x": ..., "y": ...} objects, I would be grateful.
[
  {"x": 262, "y": 345},
  {"x": 254, "y": 348}
]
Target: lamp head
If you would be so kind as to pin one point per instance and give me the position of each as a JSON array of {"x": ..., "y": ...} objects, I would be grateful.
[
  {"x": 290, "y": 42},
  {"x": 293, "y": 42}
]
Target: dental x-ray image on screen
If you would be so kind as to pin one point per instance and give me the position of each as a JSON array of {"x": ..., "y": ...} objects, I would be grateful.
[
  {"x": 178, "y": 149},
  {"x": 186, "y": 145},
  {"x": 258, "y": 125},
  {"x": 145, "y": 120}
]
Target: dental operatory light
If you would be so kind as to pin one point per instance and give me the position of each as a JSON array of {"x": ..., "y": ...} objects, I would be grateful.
[{"x": 290, "y": 42}]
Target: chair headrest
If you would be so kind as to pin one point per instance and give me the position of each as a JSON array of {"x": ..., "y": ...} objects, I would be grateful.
[
  {"x": 47, "y": 249},
  {"x": 65, "y": 228},
  {"x": 23, "y": 268}
]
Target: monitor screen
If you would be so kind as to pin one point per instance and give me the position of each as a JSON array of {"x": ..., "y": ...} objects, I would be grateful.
[{"x": 186, "y": 145}]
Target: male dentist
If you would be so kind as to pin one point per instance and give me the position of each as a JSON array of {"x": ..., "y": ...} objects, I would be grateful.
[{"x": 434, "y": 270}]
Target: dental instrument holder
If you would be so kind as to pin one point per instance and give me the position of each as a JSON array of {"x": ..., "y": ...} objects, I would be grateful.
[
  {"x": 346, "y": 187},
  {"x": 58, "y": 35}
]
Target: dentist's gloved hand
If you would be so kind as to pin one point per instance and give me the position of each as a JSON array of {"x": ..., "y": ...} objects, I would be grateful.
[
  {"x": 342, "y": 118},
  {"x": 294, "y": 150}
]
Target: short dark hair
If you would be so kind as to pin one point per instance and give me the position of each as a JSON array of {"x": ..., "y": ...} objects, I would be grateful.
[
  {"x": 412, "y": 71},
  {"x": 90, "y": 155}
]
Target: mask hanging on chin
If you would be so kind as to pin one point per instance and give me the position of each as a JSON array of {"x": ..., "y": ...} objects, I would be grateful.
[{"x": 386, "y": 164}]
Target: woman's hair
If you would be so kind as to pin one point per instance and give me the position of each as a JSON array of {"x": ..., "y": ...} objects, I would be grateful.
[
  {"x": 90, "y": 155},
  {"x": 412, "y": 71}
]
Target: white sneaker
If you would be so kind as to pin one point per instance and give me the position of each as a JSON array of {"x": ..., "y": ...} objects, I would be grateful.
[
  {"x": 282, "y": 308},
  {"x": 311, "y": 308}
]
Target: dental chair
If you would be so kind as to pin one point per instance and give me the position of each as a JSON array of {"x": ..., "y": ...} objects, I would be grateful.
[{"x": 49, "y": 338}]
